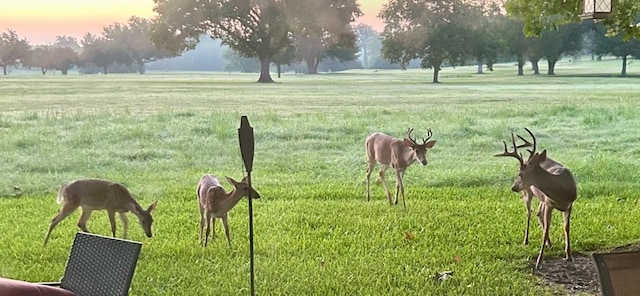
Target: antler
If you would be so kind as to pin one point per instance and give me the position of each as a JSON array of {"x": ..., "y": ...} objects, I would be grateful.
[
  {"x": 429, "y": 135},
  {"x": 413, "y": 140},
  {"x": 514, "y": 153},
  {"x": 528, "y": 144}
]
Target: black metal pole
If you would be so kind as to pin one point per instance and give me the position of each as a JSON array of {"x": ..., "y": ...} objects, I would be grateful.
[{"x": 245, "y": 136}]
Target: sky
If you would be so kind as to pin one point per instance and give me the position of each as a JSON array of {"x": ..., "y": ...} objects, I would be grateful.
[{"x": 40, "y": 21}]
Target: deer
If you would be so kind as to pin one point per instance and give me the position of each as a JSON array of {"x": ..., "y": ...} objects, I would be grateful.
[
  {"x": 214, "y": 202},
  {"x": 532, "y": 191},
  {"x": 96, "y": 194},
  {"x": 555, "y": 186},
  {"x": 398, "y": 154}
]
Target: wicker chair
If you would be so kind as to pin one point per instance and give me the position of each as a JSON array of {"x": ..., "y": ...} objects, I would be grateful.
[
  {"x": 619, "y": 273},
  {"x": 100, "y": 265}
]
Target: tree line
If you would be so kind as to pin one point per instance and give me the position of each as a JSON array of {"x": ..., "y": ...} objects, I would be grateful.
[{"x": 306, "y": 35}]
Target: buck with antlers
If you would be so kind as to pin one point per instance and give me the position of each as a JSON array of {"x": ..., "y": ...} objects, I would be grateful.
[
  {"x": 94, "y": 194},
  {"x": 550, "y": 182},
  {"x": 214, "y": 202},
  {"x": 398, "y": 154}
]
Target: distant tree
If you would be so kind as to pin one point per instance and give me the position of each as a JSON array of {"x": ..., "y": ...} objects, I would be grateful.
[
  {"x": 40, "y": 57},
  {"x": 64, "y": 58},
  {"x": 285, "y": 57},
  {"x": 484, "y": 42},
  {"x": 237, "y": 63},
  {"x": 255, "y": 29},
  {"x": 67, "y": 41},
  {"x": 534, "y": 53},
  {"x": 513, "y": 37},
  {"x": 103, "y": 53},
  {"x": 133, "y": 37},
  {"x": 12, "y": 49},
  {"x": 434, "y": 31},
  {"x": 615, "y": 46},
  {"x": 366, "y": 35},
  {"x": 566, "y": 39},
  {"x": 322, "y": 30}
]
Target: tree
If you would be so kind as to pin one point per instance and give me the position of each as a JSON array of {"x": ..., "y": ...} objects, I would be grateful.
[
  {"x": 365, "y": 34},
  {"x": 133, "y": 37},
  {"x": 615, "y": 46},
  {"x": 63, "y": 58},
  {"x": 40, "y": 57},
  {"x": 435, "y": 31},
  {"x": 322, "y": 30},
  {"x": 516, "y": 42},
  {"x": 539, "y": 15},
  {"x": 285, "y": 57},
  {"x": 567, "y": 39},
  {"x": 255, "y": 29},
  {"x": 12, "y": 50},
  {"x": 103, "y": 53}
]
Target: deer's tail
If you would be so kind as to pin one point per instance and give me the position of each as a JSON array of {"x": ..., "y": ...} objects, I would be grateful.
[{"x": 60, "y": 197}]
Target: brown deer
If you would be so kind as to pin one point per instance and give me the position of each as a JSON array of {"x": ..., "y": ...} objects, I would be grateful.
[
  {"x": 94, "y": 194},
  {"x": 532, "y": 191},
  {"x": 555, "y": 186},
  {"x": 398, "y": 154},
  {"x": 215, "y": 202}
]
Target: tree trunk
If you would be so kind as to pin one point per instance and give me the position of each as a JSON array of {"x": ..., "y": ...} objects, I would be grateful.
[
  {"x": 534, "y": 65},
  {"x": 552, "y": 65},
  {"x": 521, "y": 63},
  {"x": 141, "y": 68},
  {"x": 4, "y": 69},
  {"x": 64, "y": 71},
  {"x": 265, "y": 76},
  {"x": 105, "y": 70},
  {"x": 624, "y": 66},
  {"x": 279, "y": 67},
  {"x": 479, "y": 71},
  {"x": 436, "y": 70},
  {"x": 44, "y": 70},
  {"x": 365, "y": 57},
  {"x": 312, "y": 65}
]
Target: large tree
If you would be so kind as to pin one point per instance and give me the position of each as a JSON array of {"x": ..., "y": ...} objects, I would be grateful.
[
  {"x": 133, "y": 37},
  {"x": 567, "y": 39},
  {"x": 539, "y": 15},
  {"x": 12, "y": 49},
  {"x": 615, "y": 46},
  {"x": 366, "y": 35},
  {"x": 322, "y": 30},
  {"x": 435, "y": 31},
  {"x": 254, "y": 29}
]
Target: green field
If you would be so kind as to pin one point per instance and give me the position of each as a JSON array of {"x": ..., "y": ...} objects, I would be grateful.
[{"x": 314, "y": 232}]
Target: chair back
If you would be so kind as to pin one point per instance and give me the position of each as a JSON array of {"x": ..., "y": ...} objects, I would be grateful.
[
  {"x": 100, "y": 265},
  {"x": 619, "y": 273}
]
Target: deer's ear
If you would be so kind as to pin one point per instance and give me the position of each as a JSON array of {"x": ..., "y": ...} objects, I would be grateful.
[
  {"x": 408, "y": 143},
  {"x": 430, "y": 144},
  {"x": 543, "y": 155},
  {"x": 232, "y": 181},
  {"x": 152, "y": 207}
]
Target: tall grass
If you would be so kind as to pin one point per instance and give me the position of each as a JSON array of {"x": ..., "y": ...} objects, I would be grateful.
[{"x": 315, "y": 234}]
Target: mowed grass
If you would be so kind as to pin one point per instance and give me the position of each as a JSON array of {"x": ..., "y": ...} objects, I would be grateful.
[{"x": 314, "y": 232}]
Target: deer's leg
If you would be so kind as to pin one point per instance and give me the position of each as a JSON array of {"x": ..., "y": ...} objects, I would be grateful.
[
  {"x": 541, "y": 209},
  {"x": 370, "y": 166},
  {"x": 125, "y": 224},
  {"x": 567, "y": 240},
  {"x": 384, "y": 183},
  {"x": 208, "y": 230},
  {"x": 201, "y": 222},
  {"x": 527, "y": 201},
  {"x": 65, "y": 211},
  {"x": 546, "y": 220},
  {"x": 400, "y": 188},
  {"x": 112, "y": 221},
  {"x": 82, "y": 223},
  {"x": 226, "y": 229}
]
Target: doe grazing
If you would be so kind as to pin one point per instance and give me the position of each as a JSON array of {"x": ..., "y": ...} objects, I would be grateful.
[
  {"x": 398, "y": 154},
  {"x": 95, "y": 194},
  {"x": 215, "y": 202},
  {"x": 549, "y": 181}
]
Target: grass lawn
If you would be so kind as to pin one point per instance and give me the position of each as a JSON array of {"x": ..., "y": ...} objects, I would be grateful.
[{"x": 314, "y": 232}]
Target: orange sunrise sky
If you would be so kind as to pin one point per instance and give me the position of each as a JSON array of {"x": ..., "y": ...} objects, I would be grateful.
[{"x": 40, "y": 21}]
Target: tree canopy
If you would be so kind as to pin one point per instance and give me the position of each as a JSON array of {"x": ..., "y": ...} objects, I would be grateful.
[
  {"x": 260, "y": 28},
  {"x": 12, "y": 49},
  {"x": 548, "y": 14}
]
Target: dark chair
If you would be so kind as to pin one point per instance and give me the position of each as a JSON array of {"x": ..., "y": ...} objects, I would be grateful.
[
  {"x": 100, "y": 265},
  {"x": 619, "y": 273}
]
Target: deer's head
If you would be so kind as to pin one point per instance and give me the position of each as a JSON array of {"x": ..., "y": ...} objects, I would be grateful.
[
  {"x": 145, "y": 218},
  {"x": 419, "y": 150},
  {"x": 243, "y": 187},
  {"x": 526, "y": 167}
]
